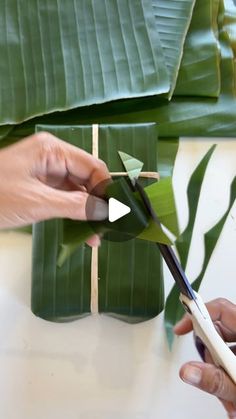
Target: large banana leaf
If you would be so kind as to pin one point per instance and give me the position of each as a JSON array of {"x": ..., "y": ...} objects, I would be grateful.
[
  {"x": 58, "y": 55},
  {"x": 199, "y": 73},
  {"x": 209, "y": 117},
  {"x": 183, "y": 116},
  {"x": 173, "y": 19},
  {"x": 57, "y": 293}
]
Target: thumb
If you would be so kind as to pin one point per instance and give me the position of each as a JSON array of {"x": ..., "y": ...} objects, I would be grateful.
[
  {"x": 76, "y": 205},
  {"x": 209, "y": 378}
]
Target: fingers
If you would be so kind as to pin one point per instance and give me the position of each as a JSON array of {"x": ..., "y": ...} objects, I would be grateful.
[
  {"x": 230, "y": 408},
  {"x": 53, "y": 180},
  {"x": 223, "y": 314},
  {"x": 59, "y": 160},
  {"x": 63, "y": 204},
  {"x": 94, "y": 241},
  {"x": 183, "y": 326},
  {"x": 209, "y": 378}
]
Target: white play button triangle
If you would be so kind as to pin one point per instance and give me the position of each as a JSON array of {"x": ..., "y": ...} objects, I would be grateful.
[{"x": 116, "y": 210}]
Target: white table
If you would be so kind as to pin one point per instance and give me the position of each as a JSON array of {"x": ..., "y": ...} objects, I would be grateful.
[{"x": 98, "y": 367}]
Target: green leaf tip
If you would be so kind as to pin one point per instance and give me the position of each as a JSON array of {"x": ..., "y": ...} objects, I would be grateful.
[{"x": 132, "y": 165}]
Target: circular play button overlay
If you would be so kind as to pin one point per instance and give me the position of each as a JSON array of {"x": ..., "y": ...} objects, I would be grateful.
[
  {"x": 127, "y": 217},
  {"x": 116, "y": 210}
]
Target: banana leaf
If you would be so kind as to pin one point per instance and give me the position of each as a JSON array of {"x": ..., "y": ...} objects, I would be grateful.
[
  {"x": 130, "y": 285},
  {"x": 229, "y": 22},
  {"x": 186, "y": 116},
  {"x": 162, "y": 200},
  {"x": 183, "y": 242},
  {"x": 193, "y": 195},
  {"x": 183, "y": 116},
  {"x": 167, "y": 151},
  {"x": 207, "y": 117},
  {"x": 199, "y": 73},
  {"x": 173, "y": 20},
  {"x": 5, "y": 131},
  {"x": 212, "y": 236},
  {"x": 62, "y": 294},
  {"x": 132, "y": 166},
  {"x": 58, "y": 56},
  {"x": 173, "y": 309},
  {"x": 136, "y": 224}
]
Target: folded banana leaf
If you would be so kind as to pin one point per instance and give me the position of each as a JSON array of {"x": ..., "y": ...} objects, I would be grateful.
[
  {"x": 130, "y": 284},
  {"x": 5, "y": 131},
  {"x": 199, "y": 73},
  {"x": 173, "y": 19},
  {"x": 137, "y": 224},
  {"x": 58, "y": 56}
]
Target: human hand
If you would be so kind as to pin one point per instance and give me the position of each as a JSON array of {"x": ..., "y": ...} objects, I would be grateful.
[
  {"x": 42, "y": 177},
  {"x": 206, "y": 376}
]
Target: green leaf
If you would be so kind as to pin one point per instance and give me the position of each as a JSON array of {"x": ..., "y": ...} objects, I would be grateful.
[
  {"x": 173, "y": 309},
  {"x": 162, "y": 200},
  {"x": 130, "y": 285},
  {"x": 193, "y": 194},
  {"x": 5, "y": 131},
  {"x": 173, "y": 19},
  {"x": 75, "y": 54},
  {"x": 199, "y": 73},
  {"x": 74, "y": 235},
  {"x": 61, "y": 294},
  {"x": 212, "y": 236},
  {"x": 209, "y": 117},
  {"x": 229, "y": 22},
  {"x": 167, "y": 151},
  {"x": 182, "y": 116},
  {"x": 132, "y": 166}
]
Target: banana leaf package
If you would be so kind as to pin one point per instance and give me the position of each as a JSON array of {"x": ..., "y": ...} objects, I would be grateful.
[{"x": 130, "y": 284}]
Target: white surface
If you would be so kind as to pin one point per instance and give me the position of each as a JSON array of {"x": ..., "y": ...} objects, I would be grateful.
[
  {"x": 117, "y": 209},
  {"x": 98, "y": 367}
]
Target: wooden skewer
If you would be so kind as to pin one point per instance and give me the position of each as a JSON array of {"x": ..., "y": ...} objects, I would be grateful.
[{"x": 149, "y": 175}]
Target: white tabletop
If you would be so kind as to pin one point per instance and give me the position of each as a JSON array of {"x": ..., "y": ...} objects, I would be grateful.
[{"x": 101, "y": 368}]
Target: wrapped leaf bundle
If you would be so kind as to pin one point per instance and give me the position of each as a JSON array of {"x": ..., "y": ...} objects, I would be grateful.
[{"x": 130, "y": 282}]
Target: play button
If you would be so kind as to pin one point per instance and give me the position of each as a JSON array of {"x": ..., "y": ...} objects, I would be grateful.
[
  {"x": 126, "y": 215},
  {"x": 117, "y": 210}
]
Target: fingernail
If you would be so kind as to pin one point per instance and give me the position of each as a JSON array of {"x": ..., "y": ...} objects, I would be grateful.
[
  {"x": 100, "y": 209},
  {"x": 192, "y": 375}
]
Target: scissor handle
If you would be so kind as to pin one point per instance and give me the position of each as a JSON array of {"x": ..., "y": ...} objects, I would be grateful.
[{"x": 205, "y": 330}]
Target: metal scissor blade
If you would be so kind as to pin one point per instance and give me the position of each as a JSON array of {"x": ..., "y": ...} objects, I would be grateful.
[{"x": 166, "y": 251}]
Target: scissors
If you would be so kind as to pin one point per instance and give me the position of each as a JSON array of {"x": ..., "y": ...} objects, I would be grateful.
[{"x": 192, "y": 302}]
